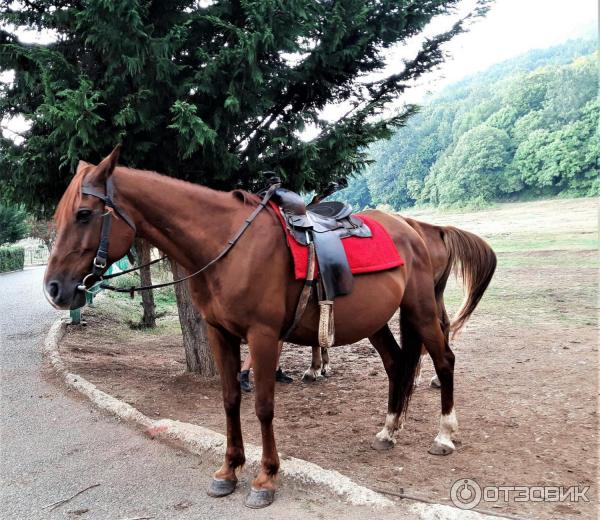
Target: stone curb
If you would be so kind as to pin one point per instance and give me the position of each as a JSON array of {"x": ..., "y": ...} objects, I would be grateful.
[{"x": 199, "y": 440}]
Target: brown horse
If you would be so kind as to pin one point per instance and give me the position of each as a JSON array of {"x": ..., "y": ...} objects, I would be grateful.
[
  {"x": 251, "y": 293},
  {"x": 447, "y": 250}
]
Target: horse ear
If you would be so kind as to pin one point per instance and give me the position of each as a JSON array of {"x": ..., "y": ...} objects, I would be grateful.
[
  {"x": 106, "y": 167},
  {"x": 81, "y": 165}
]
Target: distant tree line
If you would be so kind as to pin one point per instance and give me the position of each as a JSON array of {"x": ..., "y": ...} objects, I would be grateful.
[{"x": 523, "y": 129}]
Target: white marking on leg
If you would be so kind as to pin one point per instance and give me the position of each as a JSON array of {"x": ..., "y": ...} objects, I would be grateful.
[
  {"x": 448, "y": 430},
  {"x": 326, "y": 369},
  {"x": 390, "y": 427},
  {"x": 435, "y": 382},
  {"x": 418, "y": 377},
  {"x": 418, "y": 372}
]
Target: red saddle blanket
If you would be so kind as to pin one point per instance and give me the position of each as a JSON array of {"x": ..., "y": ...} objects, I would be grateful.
[{"x": 365, "y": 255}]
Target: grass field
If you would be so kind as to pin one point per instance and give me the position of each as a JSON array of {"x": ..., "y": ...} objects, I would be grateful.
[
  {"x": 530, "y": 235},
  {"x": 546, "y": 225}
]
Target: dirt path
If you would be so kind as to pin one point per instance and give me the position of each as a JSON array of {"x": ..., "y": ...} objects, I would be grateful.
[{"x": 526, "y": 390}]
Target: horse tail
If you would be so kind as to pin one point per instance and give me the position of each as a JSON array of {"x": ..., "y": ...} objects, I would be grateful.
[{"x": 475, "y": 261}]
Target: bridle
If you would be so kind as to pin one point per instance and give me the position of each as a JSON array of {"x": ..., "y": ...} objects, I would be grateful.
[{"x": 100, "y": 262}]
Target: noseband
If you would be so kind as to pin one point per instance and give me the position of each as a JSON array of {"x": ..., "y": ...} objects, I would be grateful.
[{"x": 100, "y": 262}]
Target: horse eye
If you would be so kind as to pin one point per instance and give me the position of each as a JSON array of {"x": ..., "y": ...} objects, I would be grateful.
[{"x": 83, "y": 215}]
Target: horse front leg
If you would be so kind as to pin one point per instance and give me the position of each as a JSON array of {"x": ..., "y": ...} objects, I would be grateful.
[
  {"x": 226, "y": 351},
  {"x": 263, "y": 347}
]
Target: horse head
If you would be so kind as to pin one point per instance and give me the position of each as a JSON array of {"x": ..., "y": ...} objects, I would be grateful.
[{"x": 92, "y": 232}]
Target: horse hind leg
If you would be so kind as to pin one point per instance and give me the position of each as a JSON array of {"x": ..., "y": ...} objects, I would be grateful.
[
  {"x": 315, "y": 370},
  {"x": 435, "y": 382},
  {"x": 445, "y": 324},
  {"x": 418, "y": 372},
  {"x": 400, "y": 366},
  {"x": 326, "y": 370},
  {"x": 424, "y": 320}
]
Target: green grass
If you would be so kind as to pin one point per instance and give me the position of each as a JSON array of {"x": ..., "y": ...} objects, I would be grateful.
[
  {"x": 528, "y": 305},
  {"x": 543, "y": 242},
  {"x": 164, "y": 299},
  {"x": 130, "y": 311},
  {"x": 550, "y": 259}
]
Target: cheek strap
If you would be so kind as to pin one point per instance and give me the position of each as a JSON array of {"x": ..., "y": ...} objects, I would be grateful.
[{"x": 101, "y": 259}]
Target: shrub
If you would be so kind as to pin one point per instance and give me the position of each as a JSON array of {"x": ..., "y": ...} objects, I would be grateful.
[
  {"x": 13, "y": 225},
  {"x": 12, "y": 258}
]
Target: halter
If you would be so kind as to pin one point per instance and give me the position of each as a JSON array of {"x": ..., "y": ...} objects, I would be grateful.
[{"x": 100, "y": 262}]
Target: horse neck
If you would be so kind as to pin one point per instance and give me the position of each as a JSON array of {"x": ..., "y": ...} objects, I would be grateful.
[{"x": 189, "y": 223}]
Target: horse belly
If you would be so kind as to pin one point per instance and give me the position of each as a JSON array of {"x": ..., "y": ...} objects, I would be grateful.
[{"x": 372, "y": 303}]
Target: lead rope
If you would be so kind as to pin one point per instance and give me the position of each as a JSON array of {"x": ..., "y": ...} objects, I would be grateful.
[
  {"x": 136, "y": 268},
  {"x": 261, "y": 205}
]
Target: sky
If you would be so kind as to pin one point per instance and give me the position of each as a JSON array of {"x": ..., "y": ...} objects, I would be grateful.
[{"x": 511, "y": 28}]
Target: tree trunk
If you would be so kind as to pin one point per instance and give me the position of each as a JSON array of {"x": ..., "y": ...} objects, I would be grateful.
[
  {"x": 143, "y": 252},
  {"x": 193, "y": 327},
  {"x": 48, "y": 242}
]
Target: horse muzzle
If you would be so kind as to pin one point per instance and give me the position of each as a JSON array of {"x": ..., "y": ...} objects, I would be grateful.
[{"x": 64, "y": 296}]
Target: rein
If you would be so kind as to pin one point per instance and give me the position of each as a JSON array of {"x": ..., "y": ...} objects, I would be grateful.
[
  {"x": 101, "y": 259},
  {"x": 133, "y": 269}
]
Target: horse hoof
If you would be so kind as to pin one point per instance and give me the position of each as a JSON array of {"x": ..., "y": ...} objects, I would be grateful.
[
  {"x": 435, "y": 382},
  {"x": 219, "y": 487},
  {"x": 309, "y": 376},
  {"x": 438, "y": 448},
  {"x": 382, "y": 444},
  {"x": 259, "y": 498},
  {"x": 326, "y": 371}
]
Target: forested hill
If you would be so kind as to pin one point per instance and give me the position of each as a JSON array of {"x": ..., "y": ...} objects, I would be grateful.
[{"x": 524, "y": 128}]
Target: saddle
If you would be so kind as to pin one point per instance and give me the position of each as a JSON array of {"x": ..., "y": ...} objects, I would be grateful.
[{"x": 323, "y": 226}]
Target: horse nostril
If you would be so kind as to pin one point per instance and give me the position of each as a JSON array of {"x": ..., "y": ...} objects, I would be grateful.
[{"x": 53, "y": 289}]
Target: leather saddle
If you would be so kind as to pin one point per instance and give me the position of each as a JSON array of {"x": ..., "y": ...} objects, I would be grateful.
[{"x": 325, "y": 225}]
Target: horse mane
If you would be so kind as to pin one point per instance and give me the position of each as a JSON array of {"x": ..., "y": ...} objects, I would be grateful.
[
  {"x": 71, "y": 197},
  {"x": 246, "y": 197},
  {"x": 251, "y": 199}
]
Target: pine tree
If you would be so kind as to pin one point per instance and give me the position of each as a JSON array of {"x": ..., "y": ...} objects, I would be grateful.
[{"x": 217, "y": 93}]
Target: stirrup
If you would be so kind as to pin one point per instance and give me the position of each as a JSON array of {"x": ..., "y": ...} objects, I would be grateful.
[{"x": 326, "y": 324}]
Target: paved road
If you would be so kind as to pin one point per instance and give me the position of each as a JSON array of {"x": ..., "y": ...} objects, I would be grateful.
[{"x": 53, "y": 444}]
